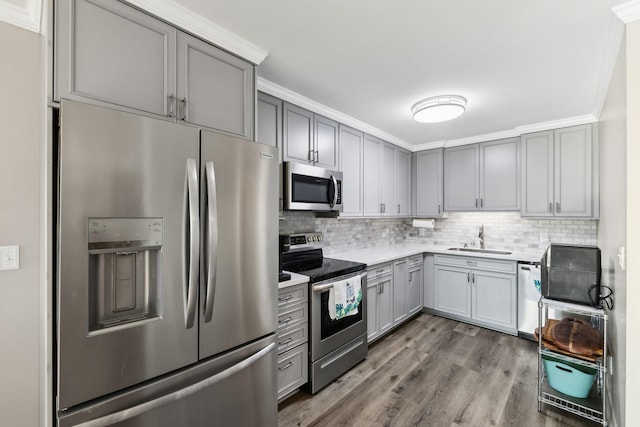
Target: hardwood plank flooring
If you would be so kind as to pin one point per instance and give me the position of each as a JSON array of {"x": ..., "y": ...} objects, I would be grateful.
[{"x": 433, "y": 371}]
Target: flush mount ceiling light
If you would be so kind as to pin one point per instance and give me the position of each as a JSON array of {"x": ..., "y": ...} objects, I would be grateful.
[{"x": 438, "y": 108}]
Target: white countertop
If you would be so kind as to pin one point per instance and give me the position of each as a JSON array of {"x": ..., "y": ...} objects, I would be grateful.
[
  {"x": 386, "y": 253},
  {"x": 296, "y": 279}
]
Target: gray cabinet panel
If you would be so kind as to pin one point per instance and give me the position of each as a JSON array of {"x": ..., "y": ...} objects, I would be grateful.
[
  {"x": 388, "y": 179},
  {"x": 111, "y": 53},
  {"x": 215, "y": 89},
  {"x": 326, "y": 142},
  {"x": 351, "y": 158},
  {"x": 399, "y": 291},
  {"x": 572, "y": 171},
  {"x": 386, "y": 304},
  {"x": 500, "y": 175},
  {"x": 403, "y": 182},
  {"x": 269, "y": 120},
  {"x": 461, "y": 178},
  {"x": 373, "y": 292},
  {"x": 297, "y": 133},
  {"x": 372, "y": 205},
  {"x": 452, "y": 292},
  {"x": 414, "y": 286},
  {"x": 537, "y": 174},
  {"x": 495, "y": 299},
  {"x": 428, "y": 186}
]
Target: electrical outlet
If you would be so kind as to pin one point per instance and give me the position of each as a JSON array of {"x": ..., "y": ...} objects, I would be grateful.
[{"x": 9, "y": 257}]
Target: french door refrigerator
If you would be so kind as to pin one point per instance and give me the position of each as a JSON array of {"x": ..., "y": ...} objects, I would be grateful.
[{"x": 166, "y": 273}]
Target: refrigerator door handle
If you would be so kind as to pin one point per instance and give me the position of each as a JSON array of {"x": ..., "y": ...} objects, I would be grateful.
[
  {"x": 192, "y": 208},
  {"x": 142, "y": 408},
  {"x": 212, "y": 238}
]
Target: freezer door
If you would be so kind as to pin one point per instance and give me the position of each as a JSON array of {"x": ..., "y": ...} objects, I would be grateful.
[
  {"x": 236, "y": 389},
  {"x": 128, "y": 250},
  {"x": 239, "y": 282}
]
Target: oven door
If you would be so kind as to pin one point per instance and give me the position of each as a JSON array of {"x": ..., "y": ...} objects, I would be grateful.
[{"x": 328, "y": 335}]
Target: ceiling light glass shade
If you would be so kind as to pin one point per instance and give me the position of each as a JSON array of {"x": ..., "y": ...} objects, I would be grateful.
[{"x": 438, "y": 108}]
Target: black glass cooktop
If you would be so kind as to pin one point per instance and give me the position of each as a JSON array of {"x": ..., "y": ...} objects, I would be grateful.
[{"x": 311, "y": 263}]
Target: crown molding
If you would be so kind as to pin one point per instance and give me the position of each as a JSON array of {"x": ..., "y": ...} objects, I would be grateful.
[
  {"x": 304, "y": 102},
  {"x": 190, "y": 21},
  {"x": 27, "y": 17},
  {"x": 628, "y": 12}
]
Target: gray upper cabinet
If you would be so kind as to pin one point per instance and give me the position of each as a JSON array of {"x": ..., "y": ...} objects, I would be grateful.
[
  {"x": 269, "y": 129},
  {"x": 372, "y": 205},
  {"x": 351, "y": 159},
  {"x": 388, "y": 181},
  {"x": 310, "y": 138},
  {"x": 110, "y": 54},
  {"x": 461, "y": 178},
  {"x": 500, "y": 175},
  {"x": 560, "y": 173},
  {"x": 216, "y": 90},
  {"x": 403, "y": 182},
  {"x": 428, "y": 170},
  {"x": 482, "y": 176}
]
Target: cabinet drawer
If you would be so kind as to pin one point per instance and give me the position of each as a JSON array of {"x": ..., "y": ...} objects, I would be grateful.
[
  {"x": 293, "y": 315},
  {"x": 415, "y": 262},
  {"x": 291, "y": 336},
  {"x": 292, "y": 370},
  {"x": 378, "y": 271},
  {"x": 292, "y": 295},
  {"x": 504, "y": 266}
]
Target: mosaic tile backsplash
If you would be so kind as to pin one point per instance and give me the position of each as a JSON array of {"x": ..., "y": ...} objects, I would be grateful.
[{"x": 502, "y": 230}]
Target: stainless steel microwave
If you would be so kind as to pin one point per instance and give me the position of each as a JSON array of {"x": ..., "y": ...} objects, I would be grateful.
[{"x": 310, "y": 188}]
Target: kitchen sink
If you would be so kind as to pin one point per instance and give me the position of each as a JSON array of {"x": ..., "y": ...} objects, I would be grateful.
[{"x": 482, "y": 251}]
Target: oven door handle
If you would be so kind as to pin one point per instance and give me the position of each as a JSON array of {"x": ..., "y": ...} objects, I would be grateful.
[{"x": 322, "y": 288}]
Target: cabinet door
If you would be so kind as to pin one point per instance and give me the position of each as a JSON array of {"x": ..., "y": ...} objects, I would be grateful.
[
  {"x": 428, "y": 281},
  {"x": 452, "y": 293},
  {"x": 414, "y": 291},
  {"x": 399, "y": 291},
  {"x": 109, "y": 53},
  {"x": 385, "y": 305},
  {"x": 297, "y": 134},
  {"x": 573, "y": 160},
  {"x": 403, "y": 182},
  {"x": 500, "y": 175},
  {"x": 537, "y": 174},
  {"x": 495, "y": 299},
  {"x": 372, "y": 206},
  {"x": 326, "y": 142},
  {"x": 388, "y": 179},
  {"x": 351, "y": 147},
  {"x": 269, "y": 129},
  {"x": 429, "y": 183},
  {"x": 216, "y": 90},
  {"x": 373, "y": 293},
  {"x": 461, "y": 178}
]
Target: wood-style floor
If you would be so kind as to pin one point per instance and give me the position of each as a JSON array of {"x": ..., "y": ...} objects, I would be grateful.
[{"x": 433, "y": 372}]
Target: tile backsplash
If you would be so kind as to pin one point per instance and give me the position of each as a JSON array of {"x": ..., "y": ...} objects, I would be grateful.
[{"x": 502, "y": 230}]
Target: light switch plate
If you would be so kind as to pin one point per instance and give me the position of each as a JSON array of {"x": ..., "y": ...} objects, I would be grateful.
[{"x": 9, "y": 257}]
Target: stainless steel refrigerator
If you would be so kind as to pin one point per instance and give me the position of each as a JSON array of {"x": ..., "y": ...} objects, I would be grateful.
[{"x": 166, "y": 279}]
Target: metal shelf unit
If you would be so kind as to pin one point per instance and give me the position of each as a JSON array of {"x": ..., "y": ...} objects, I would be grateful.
[{"x": 593, "y": 407}]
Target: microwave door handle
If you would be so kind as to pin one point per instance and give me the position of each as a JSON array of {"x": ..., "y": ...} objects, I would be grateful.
[
  {"x": 193, "y": 242},
  {"x": 334, "y": 198},
  {"x": 212, "y": 239}
]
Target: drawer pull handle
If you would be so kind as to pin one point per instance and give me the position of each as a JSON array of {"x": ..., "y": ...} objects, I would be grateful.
[
  {"x": 287, "y": 298},
  {"x": 285, "y": 367},
  {"x": 287, "y": 320},
  {"x": 285, "y": 342}
]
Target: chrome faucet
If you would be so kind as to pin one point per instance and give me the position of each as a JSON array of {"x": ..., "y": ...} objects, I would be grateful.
[{"x": 481, "y": 236}]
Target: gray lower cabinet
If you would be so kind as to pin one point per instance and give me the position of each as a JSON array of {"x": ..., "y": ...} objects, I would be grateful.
[
  {"x": 351, "y": 159},
  {"x": 560, "y": 173},
  {"x": 482, "y": 176},
  {"x": 114, "y": 55},
  {"x": 428, "y": 189},
  {"x": 400, "y": 276},
  {"x": 414, "y": 285},
  {"x": 477, "y": 290},
  {"x": 310, "y": 138},
  {"x": 379, "y": 300},
  {"x": 293, "y": 337}
]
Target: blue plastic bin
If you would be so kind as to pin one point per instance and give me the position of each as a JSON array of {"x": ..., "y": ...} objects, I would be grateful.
[{"x": 570, "y": 379}]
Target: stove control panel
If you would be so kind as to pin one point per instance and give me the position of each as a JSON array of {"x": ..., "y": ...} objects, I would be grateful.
[{"x": 299, "y": 239}]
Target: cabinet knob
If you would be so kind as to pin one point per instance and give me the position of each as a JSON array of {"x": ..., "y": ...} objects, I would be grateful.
[{"x": 557, "y": 207}]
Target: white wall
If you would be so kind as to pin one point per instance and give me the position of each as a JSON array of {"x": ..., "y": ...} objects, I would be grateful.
[
  {"x": 20, "y": 174},
  {"x": 612, "y": 227},
  {"x": 632, "y": 414}
]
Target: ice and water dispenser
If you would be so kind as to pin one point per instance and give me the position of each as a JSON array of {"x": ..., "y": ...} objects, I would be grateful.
[{"x": 125, "y": 264}]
